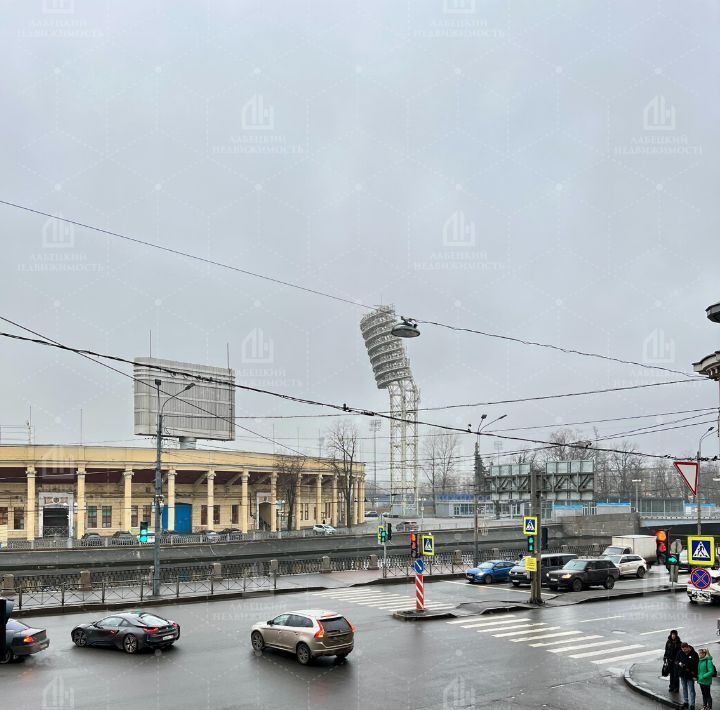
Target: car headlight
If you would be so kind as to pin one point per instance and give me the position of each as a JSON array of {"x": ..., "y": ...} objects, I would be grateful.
[{"x": 566, "y": 576}]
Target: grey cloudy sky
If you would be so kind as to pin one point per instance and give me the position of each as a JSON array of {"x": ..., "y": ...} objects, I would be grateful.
[{"x": 546, "y": 170}]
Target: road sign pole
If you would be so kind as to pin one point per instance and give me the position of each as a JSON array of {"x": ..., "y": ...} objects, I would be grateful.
[
  {"x": 697, "y": 496},
  {"x": 536, "y": 495},
  {"x": 419, "y": 592}
]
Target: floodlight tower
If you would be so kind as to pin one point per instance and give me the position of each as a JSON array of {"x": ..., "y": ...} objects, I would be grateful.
[{"x": 392, "y": 372}]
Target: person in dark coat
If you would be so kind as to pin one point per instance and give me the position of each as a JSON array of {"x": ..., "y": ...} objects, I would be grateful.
[
  {"x": 686, "y": 661},
  {"x": 672, "y": 646}
]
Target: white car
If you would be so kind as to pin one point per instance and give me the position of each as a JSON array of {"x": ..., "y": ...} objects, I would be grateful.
[
  {"x": 629, "y": 565},
  {"x": 709, "y": 595},
  {"x": 323, "y": 529}
]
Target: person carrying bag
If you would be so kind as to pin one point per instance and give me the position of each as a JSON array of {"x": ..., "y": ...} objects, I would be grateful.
[
  {"x": 706, "y": 673},
  {"x": 672, "y": 646}
]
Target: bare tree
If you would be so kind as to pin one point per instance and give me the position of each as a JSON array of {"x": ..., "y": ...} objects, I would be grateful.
[
  {"x": 342, "y": 445},
  {"x": 439, "y": 463},
  {"x": 289, "y": 470}
]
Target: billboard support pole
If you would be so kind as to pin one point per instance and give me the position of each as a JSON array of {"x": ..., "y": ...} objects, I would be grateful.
[{"x": 158, "y": 493}]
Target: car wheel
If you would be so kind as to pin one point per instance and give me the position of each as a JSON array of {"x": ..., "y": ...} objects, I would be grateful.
[
  {"x": 487, "y": 579},
  {"x": 576, "y": 585},
  {"x": 257, "y": 641},
  {"x": 79, "y": 638},
  {"x": 609, "y": 583},
  {"x": 640, "y": 572},
  {"x": 515, "y": 584},
  {"x": 130, "y": 644},
  {"x": 8, "y": 657},
  {"x": 302, "y": 652}
]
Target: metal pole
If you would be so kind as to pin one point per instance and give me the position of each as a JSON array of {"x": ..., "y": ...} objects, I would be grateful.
[
  {"x": 158, "y": 493},
  {"x": 476, "y": 552},
  {"x": 697, "y": 492},
  {"x": 536, "y": 494}
]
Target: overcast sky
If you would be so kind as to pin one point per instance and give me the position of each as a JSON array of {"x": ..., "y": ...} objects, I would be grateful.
[{"x": 545, "y": 170}]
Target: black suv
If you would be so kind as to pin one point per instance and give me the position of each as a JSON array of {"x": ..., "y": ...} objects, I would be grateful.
[
  {"x": 578, "y": 574},
  {"x": 548, "y": 562}
]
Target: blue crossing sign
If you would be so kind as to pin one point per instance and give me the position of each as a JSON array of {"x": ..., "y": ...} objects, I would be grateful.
[
  {"x": 701, "y": 550},
  {"x": 428, "y": 545},
  {"x": 419, "y": 566},
  {"x": 530, "y": 525}
]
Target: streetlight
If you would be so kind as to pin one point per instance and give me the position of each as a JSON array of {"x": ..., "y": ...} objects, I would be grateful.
[
  {"x": 405, "y": 328},
  {"x": 697, "y": 483},
  {"x": 158, "y": 485},
  {"x": 637, "y": 482},
  {"x": 476, "y": 542}
]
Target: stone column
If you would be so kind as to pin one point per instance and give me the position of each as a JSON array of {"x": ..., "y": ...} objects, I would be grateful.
[
  {"x": 81, "y": 515},
  {"x": 127, "y": 499},
  {"x": 318, "y": 499},
  {"x": 30, "y": 505},
  {"x": 210, "y": 500},
  {"x": 334, "y": 502},
  {"x": 245, "y": 502},
  {"x": 273, "y": 502},
  {"x": 296, "y": 517},
  {"x": 171, "y": 499},
  {"x": 356, "y": 502},
  {"x": 361, "y": 500}
]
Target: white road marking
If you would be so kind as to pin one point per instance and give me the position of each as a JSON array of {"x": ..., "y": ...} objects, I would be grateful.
[
  {"x": 471, "y": 619},
  {"x": 560, "y": 643},
  {"x": 550, "y": 636},
  {"x": 517, "y": 627},
  {"x": 629, "y": 655},
  {"x": 529, "y": 631},
  {"x": 601, "y": 618},
  {"x": 607, "y": 650},
  {"x": 496, "y": 623},
  {"x": 587, "y": 645},
  {"x": 660, "y": 631}
]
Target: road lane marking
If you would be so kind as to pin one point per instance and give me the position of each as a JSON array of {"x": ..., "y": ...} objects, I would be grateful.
[
  {"x": 587, "y": 645},
  {"x": 560, "y": 643},
  {"x": 530, "y": 631},
  {"x": 496, "y": 623},
  {"x": 601, "y": 618},
  {"x": 489, "y": 587},
  {"x": 517, "y": 627},
  {"x": 629, "y": 655},
  {"x": 471, "y": 619},
  {"x": 550, "y": 636},
  {"x": 660, "y": 631},
  {"x": 607, "y": 650}
]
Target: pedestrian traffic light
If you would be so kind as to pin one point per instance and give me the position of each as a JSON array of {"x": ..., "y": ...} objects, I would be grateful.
[
  {"x": 413, "y": 544},
  {"x": 143, "y": 537},
  {"x": 389, "y": 531},
  {"x": 531, "y": 544},
  {"x": 382, "y": 535},
  {"x": 672, "y": 559},
  {"x": 661, "y": 546}
]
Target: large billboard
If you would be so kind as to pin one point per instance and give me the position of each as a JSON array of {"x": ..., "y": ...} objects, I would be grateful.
[{"x": 206, "y": 411}]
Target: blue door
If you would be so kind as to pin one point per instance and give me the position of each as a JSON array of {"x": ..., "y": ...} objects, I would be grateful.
[{"x": 183, "y": 518}]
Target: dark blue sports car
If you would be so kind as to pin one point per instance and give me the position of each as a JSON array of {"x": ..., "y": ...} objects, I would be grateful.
[{"x": 490, "y": 571}]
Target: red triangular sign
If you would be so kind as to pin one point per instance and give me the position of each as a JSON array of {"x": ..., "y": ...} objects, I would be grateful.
[{"x": 689, "y": 472}]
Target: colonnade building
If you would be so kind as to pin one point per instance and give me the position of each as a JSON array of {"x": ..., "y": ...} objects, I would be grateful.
[{"x": 67, "y": 491}]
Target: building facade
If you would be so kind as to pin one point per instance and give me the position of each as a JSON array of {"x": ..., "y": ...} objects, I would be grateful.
[{"x": 67, "y": 491}]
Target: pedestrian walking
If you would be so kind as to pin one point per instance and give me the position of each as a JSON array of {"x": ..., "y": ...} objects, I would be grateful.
[
  {"x": 672, "y": 646},
  {"x": 687, "y": 664},
  {"x": 706, "y": 672}
]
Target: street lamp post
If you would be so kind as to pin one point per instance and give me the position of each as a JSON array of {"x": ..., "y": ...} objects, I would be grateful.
[
  {"x": 158, "y": 486},
  {"x": 637, "y": 482},
  {"x": 697, "y": 484}
]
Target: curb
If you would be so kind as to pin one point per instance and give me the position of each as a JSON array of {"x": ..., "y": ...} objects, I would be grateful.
[
  {"x": 634, "y": 685},
  {"x": 412, "y": 615}
]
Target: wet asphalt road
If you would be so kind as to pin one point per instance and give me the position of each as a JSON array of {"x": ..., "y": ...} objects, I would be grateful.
[{"x": 479, "y": 662}]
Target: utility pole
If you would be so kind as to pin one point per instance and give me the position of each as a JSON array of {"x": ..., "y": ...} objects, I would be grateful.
[
  {"x": 375, "y": 424},
  {"x": 536, "y": 495}
]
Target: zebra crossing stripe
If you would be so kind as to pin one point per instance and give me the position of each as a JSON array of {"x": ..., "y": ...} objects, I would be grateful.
[
  {"x": 581, "y": 646},
  {"x": 564, "y": 641},
  {"x": 516, "y": 627},
  {"x": 498, "y": 624},
  {"x": 548, "y": 636},
  {"x": 530, "y": 631},
  {"x": 471, "y": 619},
  {"x": 657, "y": 652},
  {"x": 607, "y": 650}
]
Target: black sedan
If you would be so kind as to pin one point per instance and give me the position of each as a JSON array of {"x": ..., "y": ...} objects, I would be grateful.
[
  {"x": 131, "y": 632},
  {"x": 22, "y": 640}
]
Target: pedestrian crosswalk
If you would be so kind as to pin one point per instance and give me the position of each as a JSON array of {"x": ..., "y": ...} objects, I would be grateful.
[
  {"x": 570, "y": 643},
  {"x": 387, "y": 601}
]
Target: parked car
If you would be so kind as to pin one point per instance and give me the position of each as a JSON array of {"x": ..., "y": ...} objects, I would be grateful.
[
  {"x": 91, "y": 539},
  {"x": 208, "y": 535},
  {"x": 131, "y": 632},
  {"x": 122, "y": 537},
  {"x": 22, "y": 640},
  {"x": 372, "y": 514},
  {"x": 490, "y": 571},
  {"x": 579, "y": 574},
  {"x": 324, "y": 529},
  {"x": 407, "y": 526},
  {"x": 308, "y": 634},
  {"x": 231, "y": 531},
  {"x": 629, "y": 565},
  {"x": 548, "y": 562}
]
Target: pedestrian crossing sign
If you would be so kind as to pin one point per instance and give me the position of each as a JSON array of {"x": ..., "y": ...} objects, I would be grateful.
[
  {"x": 428, "y": 545},
  {"x": 701, "y": 550},
  {"x": 530, "y": 525}
]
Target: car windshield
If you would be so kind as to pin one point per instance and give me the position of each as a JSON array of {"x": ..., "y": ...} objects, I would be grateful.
[
  {"x": 485, "y": 565},
  {"x": 575, "y": 564},
  {"x": 614, "y": 558}
]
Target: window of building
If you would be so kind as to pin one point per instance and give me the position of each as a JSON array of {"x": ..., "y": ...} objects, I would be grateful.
[
  {"x": 307, "y": 511},
  {"x": 234, "y": 514},
  {"x": 92, "y": 516},
  {"x": 3, "y": 516},
  {"x": 18, "y": 518},
  {"x": 203, "y": 515},
  {"x": 147, "y": 514},
  {"x": 107, "y": 516},
  {"x": 216, "y": 515},
  {"x": 134, "y": 516}
]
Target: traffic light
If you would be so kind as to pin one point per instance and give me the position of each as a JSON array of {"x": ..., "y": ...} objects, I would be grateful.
[
  {"x": 382, "y": 535},
  {"x": 413, "y": 544},
  {"x": 531, "y": 544},
  {"x": 143, "y": 537},
  {"x": 661, "y": 546},
  {"x": 544, "y": 534},
  {"x": 6, "y": 609},
  {"x": 389, "y": 531}
]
